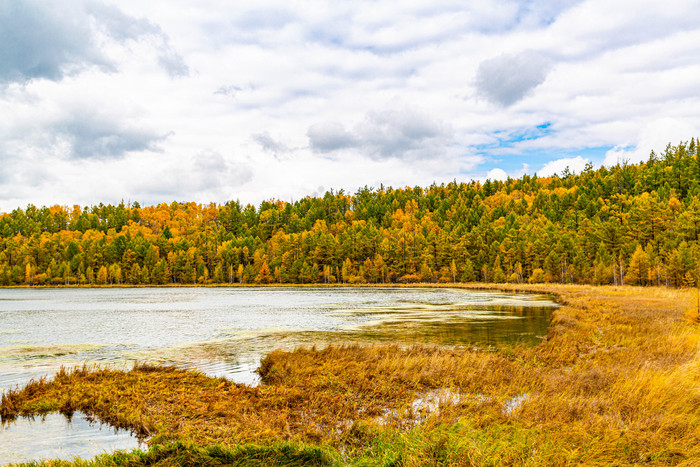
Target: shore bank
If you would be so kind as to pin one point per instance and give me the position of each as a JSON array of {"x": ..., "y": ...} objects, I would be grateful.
[{"x": 615, "y": 382}]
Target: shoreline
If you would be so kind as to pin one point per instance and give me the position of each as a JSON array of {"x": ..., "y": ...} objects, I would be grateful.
[{"x": 613, "y": 383}]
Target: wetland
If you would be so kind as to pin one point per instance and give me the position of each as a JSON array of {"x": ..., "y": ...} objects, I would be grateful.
[
  {"x": 613, "y": 383},
  {"x": 225, "y": 332}
]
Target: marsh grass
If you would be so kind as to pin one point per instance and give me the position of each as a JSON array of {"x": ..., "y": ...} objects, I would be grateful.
[
  {"x": 614, "y": 383},
  {"x": 182, "y": 454}
]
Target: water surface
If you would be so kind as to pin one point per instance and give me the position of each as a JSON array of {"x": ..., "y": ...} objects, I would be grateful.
[
  {"x": 56, "y": 437},
  {"x": 223, "y": 332}
]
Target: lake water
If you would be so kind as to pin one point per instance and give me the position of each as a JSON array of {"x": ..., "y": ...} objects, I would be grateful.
[
  {"x": 226, "y": 331},
  {"x": 55, "y": 437}
]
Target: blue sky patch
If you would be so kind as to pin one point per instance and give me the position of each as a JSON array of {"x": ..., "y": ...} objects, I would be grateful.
[{"x": 537, "y": 158}]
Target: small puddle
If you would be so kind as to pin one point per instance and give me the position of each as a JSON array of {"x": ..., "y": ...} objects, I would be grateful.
[{"x": 56, "y": 437}]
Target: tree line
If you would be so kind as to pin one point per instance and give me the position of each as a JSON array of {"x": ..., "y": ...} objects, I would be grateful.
[{"x": 627, "y": 224}]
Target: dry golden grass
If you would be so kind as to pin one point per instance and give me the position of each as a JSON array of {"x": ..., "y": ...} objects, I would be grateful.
[{"x": 615, "y": 383}]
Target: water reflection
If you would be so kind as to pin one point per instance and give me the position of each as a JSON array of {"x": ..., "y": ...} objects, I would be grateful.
[
  {"x": 225, "y": 331},
  {"x": 56, "y": 437}
]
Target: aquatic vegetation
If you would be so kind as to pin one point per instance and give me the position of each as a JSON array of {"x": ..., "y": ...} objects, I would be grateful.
[
  {"x": 181, "y": 454},
  {"x": 182, "y": 327},
  {"x": 614, "y": 382},
  {"x": 18, "y": 352}
]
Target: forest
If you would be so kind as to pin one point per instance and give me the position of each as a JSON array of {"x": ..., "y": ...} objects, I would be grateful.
[{"x": 636, "y": 224}]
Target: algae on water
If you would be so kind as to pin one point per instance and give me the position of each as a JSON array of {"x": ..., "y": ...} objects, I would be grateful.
[{"x": 23, "y": 352}]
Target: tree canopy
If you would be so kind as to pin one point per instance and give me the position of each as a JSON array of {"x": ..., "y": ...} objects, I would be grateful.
[{"x": 627, "y": 224}]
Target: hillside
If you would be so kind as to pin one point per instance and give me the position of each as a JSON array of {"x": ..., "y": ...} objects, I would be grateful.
[{"x": 628, "y": 224}]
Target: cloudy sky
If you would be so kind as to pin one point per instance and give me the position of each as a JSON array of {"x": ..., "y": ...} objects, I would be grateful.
[{"x": 208, "y": 101}]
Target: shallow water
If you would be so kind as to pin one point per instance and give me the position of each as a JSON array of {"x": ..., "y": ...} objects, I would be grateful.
[
  {"x": 225, "y": 332},
  {"x": 56, "y": 437}
]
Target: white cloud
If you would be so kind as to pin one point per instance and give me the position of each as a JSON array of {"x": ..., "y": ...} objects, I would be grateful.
[
  {"x": 396, "y": 130},
  {"x": 50, "y": 39},
  {"x": 268, "y": 143},
  {"x": 654, "y": 136},
  {"x": 508, "y": 78},
  {"x": 210, "y": 101},
  {"x": 330, "y": 136},
  {"x": 497, "y": 174},
  {"x": 557, "y": 166}
]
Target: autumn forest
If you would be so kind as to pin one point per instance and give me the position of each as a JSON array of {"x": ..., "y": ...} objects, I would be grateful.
[{"x": 627, "y": 224}]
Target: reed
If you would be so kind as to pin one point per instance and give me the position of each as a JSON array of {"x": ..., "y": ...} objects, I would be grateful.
[{"x": 614, "y": 383}]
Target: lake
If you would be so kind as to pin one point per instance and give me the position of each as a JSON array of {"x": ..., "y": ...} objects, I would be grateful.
[{"x": 226, "y": 331}]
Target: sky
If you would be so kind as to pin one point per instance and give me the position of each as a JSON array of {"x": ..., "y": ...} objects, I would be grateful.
[{"x": 210, "y": 101}]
